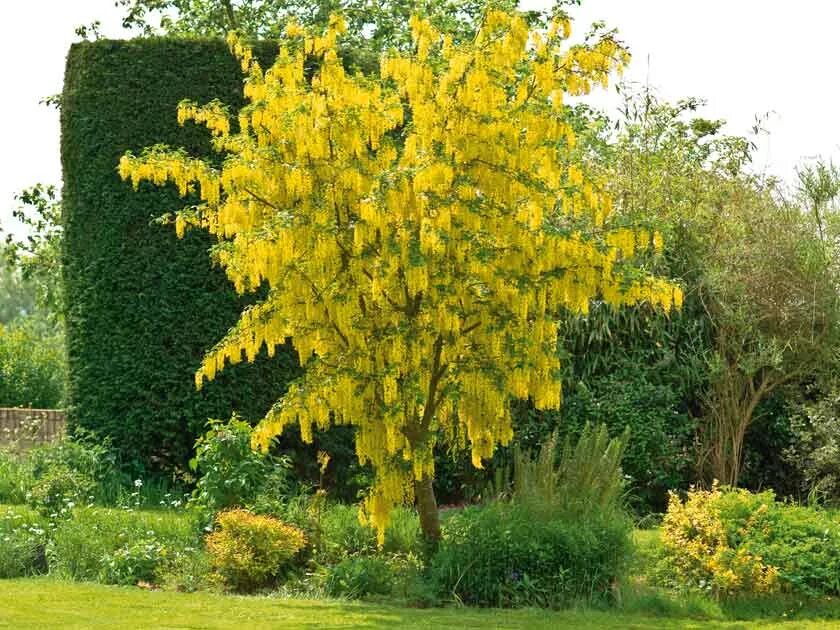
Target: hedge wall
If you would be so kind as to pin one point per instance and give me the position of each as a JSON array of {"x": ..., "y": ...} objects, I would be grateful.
[{"x": 143, "y": 307}]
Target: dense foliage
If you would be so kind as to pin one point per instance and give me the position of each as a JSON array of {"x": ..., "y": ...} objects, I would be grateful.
[
  {"x": 32, "y": 368},
  {"x": 418, "y": 279},
  {"x": 733, "y": 542},
  {"x": 248, "y": 550},
  {"x": 142, "y": 311},
  {"x": 562, "y": 535}
]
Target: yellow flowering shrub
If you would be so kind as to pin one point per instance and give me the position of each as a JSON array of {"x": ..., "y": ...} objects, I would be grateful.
[
  {"x": 701, "y": 553},
  {"x": 248, "y": 550},
  {"x": 418, "y": 233}
]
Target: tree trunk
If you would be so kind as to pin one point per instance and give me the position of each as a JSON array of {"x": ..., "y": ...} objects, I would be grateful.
[{"x": 427, "y": 507}]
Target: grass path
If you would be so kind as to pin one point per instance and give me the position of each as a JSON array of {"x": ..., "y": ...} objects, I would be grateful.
[{"x": 45, "y": 603}]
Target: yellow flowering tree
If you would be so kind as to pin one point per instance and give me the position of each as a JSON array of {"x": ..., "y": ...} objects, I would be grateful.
[{"x": 417, "y": 234}]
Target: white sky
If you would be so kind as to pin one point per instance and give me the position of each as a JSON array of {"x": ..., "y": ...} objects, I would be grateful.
[{"x": 745, "y": 57}]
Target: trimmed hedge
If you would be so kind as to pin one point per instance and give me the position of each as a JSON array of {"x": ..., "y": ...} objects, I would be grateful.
[{"x": 144, "y": 307}]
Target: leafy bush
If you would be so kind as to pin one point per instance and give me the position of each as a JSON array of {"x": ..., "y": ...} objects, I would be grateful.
[
  {"x": 563, "y": 535},
  {"x": 342, "y": 534},
  {"x": 85, "y": 457},
  {"x": 359, "y": 576},
  {"x": 249, "y": 550},
  {"x": 505, "y": 554},
  {"x": 700, "y": 555},
  {"x": 660, "y": 454},
  {"x": 23, "y": 537},
  {"x": 83, "y": 545},
  {"x": 386, "y": 574},
  {"x": 815, "y": 448},
  {"x": 59, "y": 490},
  {"x": 132, "y": 563},
  {"x": 735, "y": 542},
  {"x": 32, "y": 365},
  {"x": 334, "y": 531},
  {"x": 231, "y": 472}
]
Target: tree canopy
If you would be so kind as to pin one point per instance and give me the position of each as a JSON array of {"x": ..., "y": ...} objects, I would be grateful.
[{"x": 418, "y": 234}]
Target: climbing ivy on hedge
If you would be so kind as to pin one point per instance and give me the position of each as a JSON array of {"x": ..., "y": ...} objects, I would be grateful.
[{"x": 142, "y": 307}]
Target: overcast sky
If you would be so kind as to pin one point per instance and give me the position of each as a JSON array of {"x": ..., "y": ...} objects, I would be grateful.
[{"x": 745, "y": 57}]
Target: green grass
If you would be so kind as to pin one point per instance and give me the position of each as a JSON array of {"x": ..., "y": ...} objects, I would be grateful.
[{"x": 46, "y": 603}]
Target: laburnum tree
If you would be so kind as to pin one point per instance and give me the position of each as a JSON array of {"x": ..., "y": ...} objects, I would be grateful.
[{"x": 415, "y": 234}]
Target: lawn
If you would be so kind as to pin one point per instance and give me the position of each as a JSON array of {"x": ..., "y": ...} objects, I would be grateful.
[{"x": 47, "y": 603}]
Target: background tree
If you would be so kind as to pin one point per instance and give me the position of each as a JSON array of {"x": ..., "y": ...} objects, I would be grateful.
[
  {"x": 32, "y": 353},
  {"x": 37, "y": 254},
  {"x": 17, "y": 296},
  {"x": 761, "y": 292},
  {"x": 418, "y": 234},
  {"x": 373, "y": 26}
]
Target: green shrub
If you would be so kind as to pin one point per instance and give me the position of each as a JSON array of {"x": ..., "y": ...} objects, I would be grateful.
[
  {"x": 815, "y": 447},
  {"x": 32, "y": 366},
  {"x": 385, "y": 574},
  {"x": 734, "y": 542},
  {"x": 249, "y": 551},
  {"x": 504, "y": 554},
  {"x": 144, "y": 308},
  {"x": 84, "y": 544},
  {"x": 359, "y": 576},
  {"x": 660, "y": 454},
  {"x": 231, "y": 472},
  {"x": 58, "y": 490},
  {"x": 85, "y": 457},
  {"x": 23, "y": 538},
  {"x": 132, "y": 563},
  {"x": 563, "y": 534}
]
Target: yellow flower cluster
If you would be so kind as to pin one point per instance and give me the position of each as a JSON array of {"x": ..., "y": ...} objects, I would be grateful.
[
  {"x": 418, "y": 234},
  {"x": 698, "y": 553}
]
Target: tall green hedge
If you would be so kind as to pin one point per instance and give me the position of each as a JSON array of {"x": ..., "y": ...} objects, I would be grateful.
[{"x": 144, "y": 307}]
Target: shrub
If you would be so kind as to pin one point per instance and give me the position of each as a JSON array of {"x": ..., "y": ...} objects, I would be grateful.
[
  {"x": 334, "y": 531},
  {"x": 735, "y": 542},
  {"x": 231, "y": 472},
  {"x": 32, "y": 365},
  {"x": 86, "y": 457},
  {"x": 660, "y": 454},
  {"x": 249, "y": 550},
  {"x": 343, "y": 535},
  {"x": 815, "y": 448},
  {"x": 385, "y": 574},
  {"x": 563, "y": 535},
  {"x": 143, "y": 310},
  {"x": 83, "y": 545},
  {"x": 23, "y": 537},
  {"x": 505, "y": 554},
  {"x": 132, "y": 563},
  {"x": 59, "y": 490},
  {"x": 700, "y": 555},
  {"x": 359, "y": 576}
]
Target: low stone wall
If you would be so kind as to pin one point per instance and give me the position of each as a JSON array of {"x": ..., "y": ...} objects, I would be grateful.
[{"x": 25, "y": 427}]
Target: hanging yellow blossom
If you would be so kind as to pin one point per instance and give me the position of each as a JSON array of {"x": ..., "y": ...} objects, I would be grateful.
[{"x": 414, "y": 232}]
